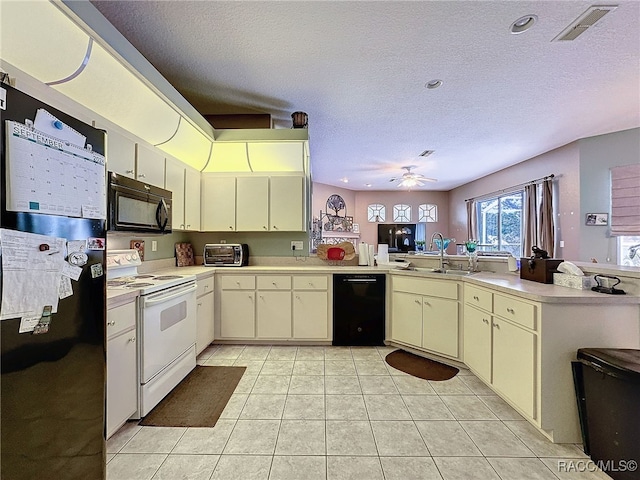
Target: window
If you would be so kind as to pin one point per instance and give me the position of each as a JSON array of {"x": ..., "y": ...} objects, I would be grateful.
[
  {"x": 402, "y": 213},
  {"x": 500, "y": 223},
  {"x": 629, "y": 251},
  {"x": 427, "y": 213},
  {"x": 376, "y": 213}
]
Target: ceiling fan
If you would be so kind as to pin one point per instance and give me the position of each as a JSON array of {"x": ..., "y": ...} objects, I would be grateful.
[{"x": 410, "y": 179}]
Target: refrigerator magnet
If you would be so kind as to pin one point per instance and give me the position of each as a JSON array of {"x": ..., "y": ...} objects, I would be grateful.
[
  {"x": 77, "y": 258},
  {"x": 95, "y": 243},
  {"x": 96, "y": 270}
]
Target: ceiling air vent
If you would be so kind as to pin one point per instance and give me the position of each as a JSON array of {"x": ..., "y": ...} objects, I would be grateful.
[
  {"x": 584, "y": 21},
  {"x": 426, "y": 153}
]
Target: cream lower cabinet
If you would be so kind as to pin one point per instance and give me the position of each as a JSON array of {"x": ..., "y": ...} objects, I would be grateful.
[
  {"x": 311, "y": 317},
  {"x": 237, "y": 306},
  {"x": 204, "y": 314},
  {"x": 425, "y": 314},
  {"x": 274, "y": 307},
  {"x": 500, "y": 344},
  {"x": 122, "y": 379}
]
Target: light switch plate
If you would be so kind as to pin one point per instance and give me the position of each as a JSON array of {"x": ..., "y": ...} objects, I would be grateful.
[{"x": 154, "y": 245}]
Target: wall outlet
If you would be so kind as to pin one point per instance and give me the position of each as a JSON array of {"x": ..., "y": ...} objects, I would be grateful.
[
  {"x": 154, "y": 245},
  {"x": 223, "y": 241},
  {"x": 297, "y": 245},
  {"x": 561, "y": 243}
]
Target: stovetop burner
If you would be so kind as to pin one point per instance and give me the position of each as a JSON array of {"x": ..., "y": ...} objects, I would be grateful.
[
  {"x": 167, "y": 277},
  {"x": 143, "y": 276},
  {"x": 138, "y": 284},
  {"x": 116, "y": 283}
]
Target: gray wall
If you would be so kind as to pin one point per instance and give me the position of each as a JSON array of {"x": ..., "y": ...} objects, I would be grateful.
[
  {"x": 166, "y": 243},
  {"x": 597, "y": 156}
]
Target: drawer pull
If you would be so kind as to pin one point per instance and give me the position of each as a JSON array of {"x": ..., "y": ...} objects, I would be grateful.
[
  {"x": 297, "y": 297},
  {"x": 112, "y": 323},
  {"x": 132, "y": 340},
  {"x": 511, "y": 310},
  {"x": 238, "y": 283},
  {"x": 311, "y": 285},
  {"x": 206, "y": 287},
  {"x": 274, "y": 284},
  {"x": 475, "y": 297}
]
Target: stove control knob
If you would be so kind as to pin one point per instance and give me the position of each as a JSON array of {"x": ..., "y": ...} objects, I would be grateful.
[
  {"x": 134, "y": 256},
  {"x": 128, "y": 257}
]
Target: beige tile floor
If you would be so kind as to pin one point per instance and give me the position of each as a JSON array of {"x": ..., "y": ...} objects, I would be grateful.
[{"x": 341, "y": 413}]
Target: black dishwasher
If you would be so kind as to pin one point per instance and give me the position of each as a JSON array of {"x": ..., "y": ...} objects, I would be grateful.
[{"x": 358, "y": 309}]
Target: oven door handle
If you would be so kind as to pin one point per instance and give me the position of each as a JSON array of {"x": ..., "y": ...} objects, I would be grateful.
[{"x": 151, "y": 301}]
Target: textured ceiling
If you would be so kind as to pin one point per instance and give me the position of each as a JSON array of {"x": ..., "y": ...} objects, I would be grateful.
[{"x": 359, "y": 70}]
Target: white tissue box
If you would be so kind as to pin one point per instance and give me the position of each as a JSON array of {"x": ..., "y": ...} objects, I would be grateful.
[{"x": 573, "y": 281}]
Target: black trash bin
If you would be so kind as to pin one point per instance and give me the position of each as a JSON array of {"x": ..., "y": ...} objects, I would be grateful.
[{"x": 607, "y": 385}]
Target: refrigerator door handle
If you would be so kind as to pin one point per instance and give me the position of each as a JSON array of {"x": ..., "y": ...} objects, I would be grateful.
[{"x": 162, "y": 212}]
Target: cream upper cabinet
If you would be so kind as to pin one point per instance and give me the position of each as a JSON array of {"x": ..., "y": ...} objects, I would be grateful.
[
  {"x": 121, "y": 154},
  {"x": 192, "y": 199},
  {"x": 252, "y": 204},
  {"x": 174, "y": 181},
  {"x": 149, "y": 165},
  {"x": 218, "y": 205},
  {"x": 286, "y": 204}
]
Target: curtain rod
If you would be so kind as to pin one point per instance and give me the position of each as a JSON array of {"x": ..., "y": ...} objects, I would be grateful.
[{"x": 509, "y": 189}]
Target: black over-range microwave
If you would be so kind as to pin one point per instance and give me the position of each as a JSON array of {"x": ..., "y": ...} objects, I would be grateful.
[{"x": 136, "y": 206}]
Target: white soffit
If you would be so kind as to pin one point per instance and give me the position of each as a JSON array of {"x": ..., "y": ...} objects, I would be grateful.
[
  {"x": 108, "y": 88},
  {"x": 228, "y": 157},
  {"x": 277, "y": 157},
  {"x": 40, "y": 40},
  {"x": 188, "y": 145}
]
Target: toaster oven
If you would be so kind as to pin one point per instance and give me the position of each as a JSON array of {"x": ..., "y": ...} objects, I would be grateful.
[{"x": 226, "y": 254}]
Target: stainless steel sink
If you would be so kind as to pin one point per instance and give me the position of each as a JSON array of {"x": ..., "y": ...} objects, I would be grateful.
[{"x": 445, "y": 272}]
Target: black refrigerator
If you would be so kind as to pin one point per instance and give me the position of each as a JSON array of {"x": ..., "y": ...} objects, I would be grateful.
[{"x": 52, "y": 385}]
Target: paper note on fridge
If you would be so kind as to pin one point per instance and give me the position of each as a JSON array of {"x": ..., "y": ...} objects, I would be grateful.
[{"x": 31, "y": 269}]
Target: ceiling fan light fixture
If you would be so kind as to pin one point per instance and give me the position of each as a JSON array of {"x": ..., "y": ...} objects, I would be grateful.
[{"x": 523, "y": 24}]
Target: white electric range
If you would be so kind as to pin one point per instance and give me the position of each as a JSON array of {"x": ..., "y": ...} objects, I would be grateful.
[{"x": 166, "y": 325}]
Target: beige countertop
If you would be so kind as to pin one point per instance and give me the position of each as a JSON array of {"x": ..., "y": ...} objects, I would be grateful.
[{"x": 509, "y": 283}]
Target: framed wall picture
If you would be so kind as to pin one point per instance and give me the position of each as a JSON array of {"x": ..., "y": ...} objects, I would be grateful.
[{"x": 595, "y": 219}]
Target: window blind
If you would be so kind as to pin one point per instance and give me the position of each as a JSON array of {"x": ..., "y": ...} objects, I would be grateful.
[{"x": 625, "y": 200}]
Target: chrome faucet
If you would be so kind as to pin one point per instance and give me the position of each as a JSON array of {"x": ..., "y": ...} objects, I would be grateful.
[
  {"x": 633, "y": 250},
  {"x": 441, "y": 248}
]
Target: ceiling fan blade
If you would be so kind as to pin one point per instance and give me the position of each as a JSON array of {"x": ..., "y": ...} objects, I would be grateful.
[{"x": 419, "y": 183}]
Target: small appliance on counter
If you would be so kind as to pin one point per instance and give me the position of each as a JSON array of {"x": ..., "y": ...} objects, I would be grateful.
[
  {"x": 539, "y": 267},
  {"x": 226, "y": 255}
]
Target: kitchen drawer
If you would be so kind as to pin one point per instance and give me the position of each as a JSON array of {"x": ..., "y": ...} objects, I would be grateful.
[
  {"x": 274, "y": 282},
  {"x": 204, "y": 286},
  {"x": 420, "y": 286},
  {"x": 310, "y": 282},
  {"x": 478, "y": 297},
  {"x": 515, "y": 310},
  {"x": 120, "y": 319},
  {"x": 238, "y": 282}
]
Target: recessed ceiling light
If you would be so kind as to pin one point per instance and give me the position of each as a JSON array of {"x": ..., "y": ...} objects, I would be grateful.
[
  {"x": 431, "y": 84},
  {"x": 367, "y": 185},
  {"x": 344, "y": 180},
  {"x": 523, "y": 24}
]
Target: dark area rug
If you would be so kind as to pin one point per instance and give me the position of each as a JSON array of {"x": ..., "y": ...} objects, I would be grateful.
[
  {"x": 198, "y": 400},
  {"x": 420, "y": 367}
]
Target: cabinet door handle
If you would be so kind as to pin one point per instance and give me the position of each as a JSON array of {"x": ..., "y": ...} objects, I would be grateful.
[
  {"x": 182, "y": 225},
  {"x": 112, "y": 323},
  {"x": 189, "y": 225},
  {"x": 230, "y": 227},
  {"x": 297, "y": 297},
  {"x": 132, "y": 340},
  {"x": 417, "y": 301},
  {"x": 311, "y": 285},
  {"x": 142, "y": 175},
  {"x": 485, "y": 321},
  {"x": 475, "y": 297},
  {"x": 511, "y": 310},
  {"x": 427, "y": 303},
  {"x": 275, "y": 228},
  {"x": 495, "y": 325},
  {"x": 128, "y": 171},
  {"x": 274, "y": 284},
  {"x": 200, "y": 304},
  {"x": 264, "y": 227}
]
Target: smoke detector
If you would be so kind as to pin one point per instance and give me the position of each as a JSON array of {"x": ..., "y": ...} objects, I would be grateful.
[{"x": 583, "y": 22}]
